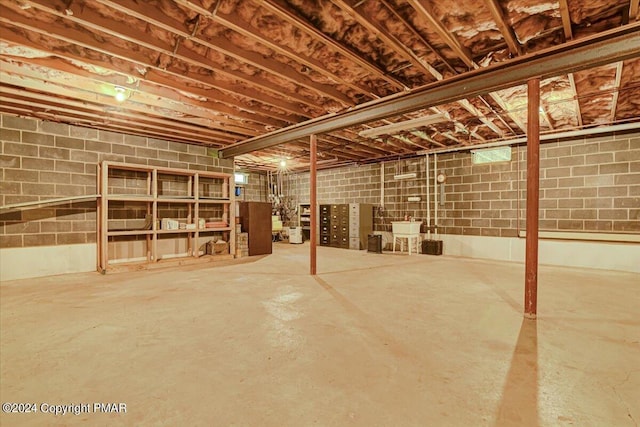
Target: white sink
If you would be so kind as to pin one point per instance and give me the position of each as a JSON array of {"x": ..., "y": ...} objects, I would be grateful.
[{"x": 406, "y": 227}]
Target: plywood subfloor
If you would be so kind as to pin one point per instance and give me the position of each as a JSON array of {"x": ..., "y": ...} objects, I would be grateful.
[{"x": 373, "y": 340}]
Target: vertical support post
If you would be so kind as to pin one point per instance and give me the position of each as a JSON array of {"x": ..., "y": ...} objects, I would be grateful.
[
  {"x": 190, "y": 212},
  {"x": 230, "y": 184},
  {"x": 194, "y": 191},
  {"x": 533, "y": 199},
  {"x": 99, "y": 230},
  {"x": 153, "y": 219},
  {"x": 313, "y": 201},
  {"x": 382, "y": 184},
  {"x": 104, "y": 217},
  {"x": 435, "y": 196},
  {"x": 154, "y": 207}
]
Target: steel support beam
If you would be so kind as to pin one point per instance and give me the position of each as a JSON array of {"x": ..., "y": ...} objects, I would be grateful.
[
  {"x": 604, "y": 48},
  {"x": 313, "y": 201},
  {"x": 533, "y": 199}
]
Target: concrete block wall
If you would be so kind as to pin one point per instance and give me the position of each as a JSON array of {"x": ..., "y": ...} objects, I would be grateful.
[
  {"x": 587, "y": 185},
  {"x": 42, "y": 160},
  {"x": 360, "y": 185},
  {"x": 256, "y": 188},
  {"x": 480, "y": 199}
]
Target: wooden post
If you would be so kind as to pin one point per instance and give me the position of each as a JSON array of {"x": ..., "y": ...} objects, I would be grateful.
[
  {"x": 314, "y": 209},
  {"x": 533, "y": 199}
]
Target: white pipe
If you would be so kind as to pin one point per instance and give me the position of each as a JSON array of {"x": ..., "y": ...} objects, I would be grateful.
[
  {"x": 382, "y": 184},
  {"x": 568, "y": 134},
  {"x": 435, "y": 195},
  {"x": 426, "y": 162}
]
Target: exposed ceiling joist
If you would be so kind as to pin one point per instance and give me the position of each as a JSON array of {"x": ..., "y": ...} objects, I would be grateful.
[
  {"x": 424, "y": 9},
  {"x": 152, "y": 72},
  {"x": 566, "y": 19},
  {"x": 224, "y": 46},
  {"x": 616, "y": 91},
  {"x": 279, "y": 7},
  {"x": 419, "y": 37},
  {"x": 242, "y": 27},
  {"x": 51, "y": 97},
  {"x": 357, "y": 12},
  {"x": 217, "y": 72},
  {"x": 94, "y": 89},
  {"x": 568, "y": 35},
  {"x": 463, "y": 53},
  {"x": 506, "y": 30},
  {"x": 572, "y": 82},
  {"x": 92, "y": 20},
  {"x": 603, "y": 48},
  {"x": 438, "y": 76}
]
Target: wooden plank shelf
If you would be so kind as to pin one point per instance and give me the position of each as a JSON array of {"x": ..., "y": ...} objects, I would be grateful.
[
  {"x": 176, "y": 200},
  {"x": 129, "y": 198},
  {"x": 188, "y": 194},
  {"x": 129, "y": 233}
]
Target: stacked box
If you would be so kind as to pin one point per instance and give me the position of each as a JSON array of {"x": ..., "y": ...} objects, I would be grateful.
[{"x": 242, "y": 244}]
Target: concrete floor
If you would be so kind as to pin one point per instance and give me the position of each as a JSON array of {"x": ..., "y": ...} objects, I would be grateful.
[{"x": 373, "y": 340}]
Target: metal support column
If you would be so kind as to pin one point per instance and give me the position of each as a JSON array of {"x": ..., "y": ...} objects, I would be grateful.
[
  {"x": 533, "y": 199},
  {"x": 313, "y": 202}
]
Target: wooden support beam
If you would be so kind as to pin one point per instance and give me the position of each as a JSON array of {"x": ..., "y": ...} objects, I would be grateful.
[
  {"x": 313, "y": 201},
  {"x": 616, "y": 92},
  {"x": 424, "y": 9},
  {"x": 533, "y": 199},
  {"x": 506, "y": 30},
  {"x": 280, "y": 8},
  {"x": 574, "y": 89},
  {"x": 566, "y": 19},
  {"x": 633, "y": 10}
]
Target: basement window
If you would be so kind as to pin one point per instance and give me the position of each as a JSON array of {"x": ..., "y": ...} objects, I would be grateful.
[
  {"x": 241, "y": 178},
  {"x": 491, "y": 155}
]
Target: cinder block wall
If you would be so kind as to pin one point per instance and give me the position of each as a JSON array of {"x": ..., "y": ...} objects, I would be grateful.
[
  {"x": 587, "y": 184},
  {"x": 360, "y": 185},
  {"x": 256, "y": 189},
  {"x": 42, "y": 160}
]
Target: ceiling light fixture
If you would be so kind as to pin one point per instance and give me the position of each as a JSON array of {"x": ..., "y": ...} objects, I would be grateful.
[
  {"x": 121, "y": 94},
  {"x": 400, "y": 126},
  {"x": 405, "y": 176}
]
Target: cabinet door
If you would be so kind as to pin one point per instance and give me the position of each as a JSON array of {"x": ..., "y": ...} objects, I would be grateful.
[{"x": 255, "y": 218}]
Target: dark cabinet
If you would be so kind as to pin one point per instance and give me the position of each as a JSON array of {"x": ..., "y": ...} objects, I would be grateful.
[
  {"x": 255, "y": 218},
  {"x": 345, "y": 225}
]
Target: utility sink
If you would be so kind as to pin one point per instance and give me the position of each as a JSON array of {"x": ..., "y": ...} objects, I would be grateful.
[{"x": 405, "y": 227}]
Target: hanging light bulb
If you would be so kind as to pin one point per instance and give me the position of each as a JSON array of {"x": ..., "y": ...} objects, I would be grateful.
[
  {"x": 283, "y": 163},
  {"x": 121, "y": 94}
]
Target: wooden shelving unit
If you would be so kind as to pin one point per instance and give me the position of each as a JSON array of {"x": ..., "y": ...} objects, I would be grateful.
[
  {"x": 304, "y": 220},
  {"x": 135, "y": 199}
]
